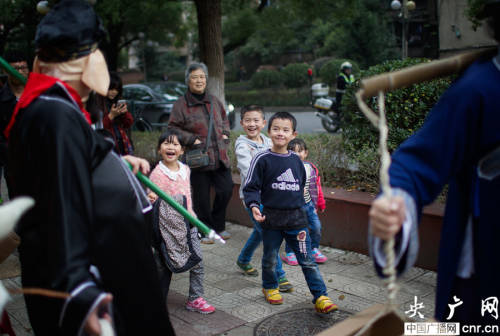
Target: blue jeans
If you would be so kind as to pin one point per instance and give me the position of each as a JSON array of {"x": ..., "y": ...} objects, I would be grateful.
[
  {"x": 314, "y": 226},
  {"x": 300, "y": 242},
  {"x": 252, "y": 243}
]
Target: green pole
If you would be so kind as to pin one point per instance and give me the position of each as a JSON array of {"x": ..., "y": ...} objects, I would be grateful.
[
  {"x": 164, "y": 196},
  {"x": 11, "y": 71}
]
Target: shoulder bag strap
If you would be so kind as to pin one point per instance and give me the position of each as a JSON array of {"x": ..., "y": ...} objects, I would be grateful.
[{"x": 210, "y": 123}]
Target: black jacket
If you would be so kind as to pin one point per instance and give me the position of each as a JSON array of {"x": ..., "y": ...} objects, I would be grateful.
[
  {"x": 7, "y": 104},
  {"x": 89, "y": 211}
]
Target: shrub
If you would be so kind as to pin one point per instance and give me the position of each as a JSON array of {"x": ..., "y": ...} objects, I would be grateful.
[
  {"x": 318, "y": 64},
  {"x": 145, "y": 146},
  {"x": 266, "y": 79},
  {"x": 268, "y": 97},
  {"x": 295, "y": 75},
  {"x": 330, "y": 70},
  {"x": 406, "y": 109},
  {"x": 326, "y": 151},
  {"x": 177, "y": 76}
]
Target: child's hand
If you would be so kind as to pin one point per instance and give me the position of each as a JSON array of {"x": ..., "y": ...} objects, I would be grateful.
[
  {"x": 152, "y": 197},
  {"x": 257, "y": 215}
]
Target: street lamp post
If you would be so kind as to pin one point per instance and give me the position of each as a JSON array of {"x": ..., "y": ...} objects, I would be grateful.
[
  {"x": 404, "y": 52},
  {"x": 407, "y": 6}
]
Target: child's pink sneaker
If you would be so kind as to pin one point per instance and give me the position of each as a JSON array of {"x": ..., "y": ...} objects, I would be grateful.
[
  {"x": 290, "y": 259},
  {"x": 200, "y": 305},
  {"x": 318, "y": 256}
]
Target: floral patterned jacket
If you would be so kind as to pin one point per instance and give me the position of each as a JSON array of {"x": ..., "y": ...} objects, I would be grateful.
[{"x": 190, "y": 118}]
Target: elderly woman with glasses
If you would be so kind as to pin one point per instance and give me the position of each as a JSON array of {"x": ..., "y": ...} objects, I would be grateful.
[{"x": 191, "y": 118}]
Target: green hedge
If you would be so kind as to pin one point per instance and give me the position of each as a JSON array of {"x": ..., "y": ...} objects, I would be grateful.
[
  {"x": 406, "y": 108},
  {"x": 295, "y": 75},
  {"x": 266, "y": 79},
  {"x": 269, "y": 97}
]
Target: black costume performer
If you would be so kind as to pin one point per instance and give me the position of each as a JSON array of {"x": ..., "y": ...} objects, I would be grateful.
[{"x": 87, "y": 234}]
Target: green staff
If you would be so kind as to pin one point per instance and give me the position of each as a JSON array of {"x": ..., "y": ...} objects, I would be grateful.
[
  {"x": 195, "y": 221},
  {"x": 13, "y": 72}
]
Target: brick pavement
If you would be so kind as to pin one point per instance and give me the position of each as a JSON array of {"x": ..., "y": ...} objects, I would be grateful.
[{"x": 349, "y": 277}]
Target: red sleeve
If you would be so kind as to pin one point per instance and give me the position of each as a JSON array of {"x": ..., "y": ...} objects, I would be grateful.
[
  {"x": 126, "y": 120},
  {"x": 321, "y": 204},
  {"x": 106, "y": 122}
]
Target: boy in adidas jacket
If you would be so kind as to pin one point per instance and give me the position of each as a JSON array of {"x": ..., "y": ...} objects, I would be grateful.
[{"x": 274, "y": 191}]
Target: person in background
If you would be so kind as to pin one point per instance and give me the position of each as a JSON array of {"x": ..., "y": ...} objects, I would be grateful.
[
  {"x": 313, "y": 196},
  {"x": 190, "y": 117},
  {"x": 9, "y": 95},
  {"x": 344, "y": 79},
  {"x": 459, "y": 146},
  {"x": 117, "y": 120},
  {"x": 246, "y": 147}
]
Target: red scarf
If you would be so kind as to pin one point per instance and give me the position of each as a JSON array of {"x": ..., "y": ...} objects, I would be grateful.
[{"x": 37, "y": 84}]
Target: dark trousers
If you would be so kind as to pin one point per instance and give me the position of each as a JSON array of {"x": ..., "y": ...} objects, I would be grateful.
[
  {"x": 467, "y": 290},
  {"x": 201, "y": 182}
]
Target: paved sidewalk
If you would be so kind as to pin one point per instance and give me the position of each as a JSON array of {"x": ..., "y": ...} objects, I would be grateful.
[
  {"x": 241, "y": 308},
  {"x": 240, "y": 305}
]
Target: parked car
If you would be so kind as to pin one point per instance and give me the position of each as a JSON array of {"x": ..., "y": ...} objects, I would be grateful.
[
  {"x": 149, "y": 108},
  {"x": 171, "y": 90}
]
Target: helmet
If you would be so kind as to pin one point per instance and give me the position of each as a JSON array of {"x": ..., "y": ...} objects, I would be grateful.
[{"x": 346, "y": 65}]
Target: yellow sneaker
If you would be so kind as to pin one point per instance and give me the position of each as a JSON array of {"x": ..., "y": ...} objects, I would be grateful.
[
  {"x": 325, "y": 305},
  {"x": 273, "y": 296}
]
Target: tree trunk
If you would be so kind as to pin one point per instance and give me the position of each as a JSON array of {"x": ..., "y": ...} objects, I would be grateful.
[{"x": 210, "y": 42}]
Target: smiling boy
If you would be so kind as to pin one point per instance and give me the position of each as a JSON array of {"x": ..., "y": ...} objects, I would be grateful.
[
  {"x": 246, "y": 147},
  {"x": 275, "y": 184}
]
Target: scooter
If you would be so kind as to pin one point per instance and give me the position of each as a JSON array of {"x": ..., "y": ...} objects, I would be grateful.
[{"x": 326, "y": 107}]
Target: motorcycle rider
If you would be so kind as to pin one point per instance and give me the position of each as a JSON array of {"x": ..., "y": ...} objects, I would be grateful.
[{"x": 344, "y": 79}]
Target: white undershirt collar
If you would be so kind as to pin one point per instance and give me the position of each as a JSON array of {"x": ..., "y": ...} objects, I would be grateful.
[{"x": 173, "y": 174}]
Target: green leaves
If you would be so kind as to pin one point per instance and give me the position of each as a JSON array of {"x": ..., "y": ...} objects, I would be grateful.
[{"x": 406, "y": 108}]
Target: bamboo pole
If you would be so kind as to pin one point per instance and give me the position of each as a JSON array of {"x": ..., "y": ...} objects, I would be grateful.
[
  {"x": 421, "y": 72},
  {"x": 11, "y": 71}
]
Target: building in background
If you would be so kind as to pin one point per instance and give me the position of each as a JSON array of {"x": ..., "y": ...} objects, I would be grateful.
[{"x": 455, "y": 30}]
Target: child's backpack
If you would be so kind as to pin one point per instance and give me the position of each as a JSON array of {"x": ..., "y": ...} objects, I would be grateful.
[{"x": 175, "y": 240}]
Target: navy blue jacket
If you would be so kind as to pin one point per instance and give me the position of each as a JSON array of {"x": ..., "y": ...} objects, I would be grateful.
[
  {"x": 276, "y": 181},
  {"x": 461, "y": 129}
]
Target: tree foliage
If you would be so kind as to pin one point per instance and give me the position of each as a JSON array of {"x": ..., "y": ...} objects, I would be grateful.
[
  {"x": 157, "y": 20},
  {"x": 357, "y": 30},
  {"x": 129, "y": 20},
  {"x": 18, "y": 21}
]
